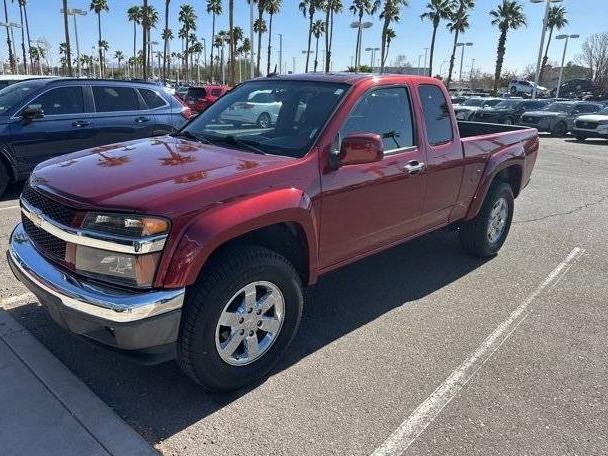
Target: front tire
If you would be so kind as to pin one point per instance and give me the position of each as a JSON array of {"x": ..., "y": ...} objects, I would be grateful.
[
  {"x": 560, "y": 129},
  {"x": 3, "y": 179},
  {"x": 486, "y": 233},
  {"x": 239, "y": 318}
]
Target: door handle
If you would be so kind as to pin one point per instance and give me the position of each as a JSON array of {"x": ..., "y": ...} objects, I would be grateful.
[
  {"x": 414, "y": 167},
  {"x": 142, "y": 119},
  {"x": 81, "y": 123}
]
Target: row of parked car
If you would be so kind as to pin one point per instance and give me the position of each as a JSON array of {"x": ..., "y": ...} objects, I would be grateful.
[{"x": 583, "y": 119}]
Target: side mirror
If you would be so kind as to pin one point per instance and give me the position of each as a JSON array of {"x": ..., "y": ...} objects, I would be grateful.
[
  {"x": 30, "y": 113},
  {"x": 359, "y": 148}
]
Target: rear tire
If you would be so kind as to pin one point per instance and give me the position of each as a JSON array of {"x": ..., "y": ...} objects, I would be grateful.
[
  {"x": 486, "y": 233},
  {"x": 560, "y": 129},
  {"x": 203, "y": 335},
  {"x": 3, "y": 179}
]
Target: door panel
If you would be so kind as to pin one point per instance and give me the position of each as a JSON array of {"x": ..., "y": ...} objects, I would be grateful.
[{"x": 367, "y": 206}]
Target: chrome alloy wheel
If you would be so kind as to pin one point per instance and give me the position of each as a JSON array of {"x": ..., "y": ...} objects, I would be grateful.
[
  {"x": 250, "y": 323},
  {"x": 498, "y": 220}
]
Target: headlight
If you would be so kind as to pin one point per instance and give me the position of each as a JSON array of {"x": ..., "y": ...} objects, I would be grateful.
[
  {"x": 603, "y": 122},
  {"x": 133, "y": 270},
  {"x": 118, "y": 268},
  {"x": 125, "y": 225}
]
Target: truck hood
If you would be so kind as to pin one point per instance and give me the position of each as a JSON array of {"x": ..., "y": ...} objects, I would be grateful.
[
  {"x": 593, "y": 118},
  {"x": 143, "y": 174}
]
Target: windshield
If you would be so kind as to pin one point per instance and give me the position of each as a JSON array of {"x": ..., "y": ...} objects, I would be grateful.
[
  {"x": 491, "y": 103},
  {"x": 474, "y": 102},
  {"x": 269, "y": 116},
  {"x": 604, "y": 111},
  {"x": 507, "y": 104},
  {"x": 558, "y": 107},
  {"x": 14, "y": 94}
]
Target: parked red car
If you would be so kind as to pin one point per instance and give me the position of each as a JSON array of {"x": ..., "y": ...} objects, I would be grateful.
[
  {"x": 198, "y": 245},
  {"x": 200, "y": 98}
]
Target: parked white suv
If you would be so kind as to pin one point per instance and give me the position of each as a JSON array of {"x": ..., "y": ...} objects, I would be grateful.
[
  {"x": 591, "y": 126},
  {"x": 520, "y": 86}
]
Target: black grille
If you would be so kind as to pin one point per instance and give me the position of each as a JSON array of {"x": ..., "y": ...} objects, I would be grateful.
[
  {"x": 55, "y": 211},
  {"x": 47, "y": 244},
  {"x": 584, "y": 124}
]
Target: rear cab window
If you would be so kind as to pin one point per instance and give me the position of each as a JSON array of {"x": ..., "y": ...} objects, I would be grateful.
[
  {"x": 116, "y": 99},
  {"x": 436, "y": 113},
  {"x": 216, "y": 92},
  {"x": 386, "y": 112},
  {"x": 196, "y": 92}
]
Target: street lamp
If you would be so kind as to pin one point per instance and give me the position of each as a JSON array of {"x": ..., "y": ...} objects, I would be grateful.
[
  {"x": 76, "y": 12},
  {"x": 372, "y": 59},
  {"x": 542, "y": 42},
  {"x": 561, "y": 70},
  {"x": 359, "y": 26},
  {"x": 462, "y": 45},
  {"x": 152, "y": 44},
  {"x": 9, "y": 29}
]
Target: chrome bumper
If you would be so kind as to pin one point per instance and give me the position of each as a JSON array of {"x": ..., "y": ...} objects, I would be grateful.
[{"x": 98, "y": 301}]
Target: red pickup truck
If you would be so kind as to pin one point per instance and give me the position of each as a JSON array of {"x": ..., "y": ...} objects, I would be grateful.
[{"x": 196, "y": 246}]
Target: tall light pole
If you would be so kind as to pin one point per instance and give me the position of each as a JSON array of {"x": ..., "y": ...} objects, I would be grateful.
[
  {"x": 373, "y": 50},
  {"x": 462, "y": 45},
  {"x": 471, "y": 75},
  {"x": 359, "y": 26},
  {"x": 426, "y": 51},
  {"x": 280, "y": 52},
  {"x": 307, "y": 52},
  {"x": 251, "y": 62},
  {"x": 9, "y": 29},
  {"x": 152, "y": 44},
  {"x": 542, "y": 42},
  {"x": 561, "y": 70},
  {"x": 76, "y": 12}
]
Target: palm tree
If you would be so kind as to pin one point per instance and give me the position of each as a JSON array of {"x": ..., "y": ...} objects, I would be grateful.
[
  {"x": 151, "y": 15},
  {"x": 37, "y": 53},
  {"x": 273, "y": 7},
  {"x": 23, "y": 4},
  {"x": 259, "y": 26},
  {"x": 309, "y": 7},
  {"x": 68, "y": 55},
  {"x": 187, "y": 17},
  {"x": 459, "y": 24},
  {"x": 231, "y": 42},
  {"x": 99, "y": 6},
  {"x": 557, "y": 20},
  {"x": 214, "y": 7},
  {"x": 360, "y": 8},
  {"x": 318, "y": 29},
  {"x": 119, "y": 56},
  {"x": 134, "y": 15},
  {"x": 390, "y": 36},
  {"x": 220, "y": 38},
  {"x": 437, "y": 10},
  {"x": 22, "y": 38},
  {"x": 166, "y": 37},
  {"x": 11, "y": 56},
  {"x": 390, "y": 13},
  {"x": 331, "y": 7},
  {"x": 144, "y": 40},
  {"x": 509, "y": 15}
]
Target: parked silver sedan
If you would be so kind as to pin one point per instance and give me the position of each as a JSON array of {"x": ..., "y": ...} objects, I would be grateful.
[{"x": 261, "y": 109}]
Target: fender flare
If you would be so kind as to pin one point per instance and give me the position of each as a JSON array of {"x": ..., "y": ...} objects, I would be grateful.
[
  {"x": 496, "y": 164},
  {"x": 212, "y": 228},
  {"x": 6, "y": 159}
]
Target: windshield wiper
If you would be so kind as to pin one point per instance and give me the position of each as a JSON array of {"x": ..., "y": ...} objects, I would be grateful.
[
  {"x": 189, "y": 135},
  {"x": 230, "y": 139}
]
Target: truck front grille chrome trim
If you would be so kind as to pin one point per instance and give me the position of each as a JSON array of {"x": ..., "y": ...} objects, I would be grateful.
[
  {"x": 89, "y": 238},
  {"x": 112, "y": 304}
]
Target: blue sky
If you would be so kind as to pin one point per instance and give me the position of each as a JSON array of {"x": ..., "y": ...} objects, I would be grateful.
[{"x": 413, "y": 35}]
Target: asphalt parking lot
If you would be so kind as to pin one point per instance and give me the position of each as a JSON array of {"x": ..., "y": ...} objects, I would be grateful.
[{"x": 378, "y": 337}]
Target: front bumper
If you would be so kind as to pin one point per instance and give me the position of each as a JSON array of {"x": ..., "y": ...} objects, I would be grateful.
[
  {"x": 144, "y": 325},
  {"x": 597, "y": 133}
]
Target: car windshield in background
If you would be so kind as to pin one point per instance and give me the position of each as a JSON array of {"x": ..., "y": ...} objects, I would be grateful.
[
  {"x": 273, "y": 116},
  {"x": 507, "y": 104},
  {"x": 474, "y": 102},
  {"x": 197, "y": 92},
  {"x": 14, "y": 94},
  {"x": 559, "y": 107},
  {"x": 603, "y": 111}
]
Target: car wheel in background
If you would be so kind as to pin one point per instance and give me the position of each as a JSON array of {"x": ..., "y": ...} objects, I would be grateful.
[
  {"x": 264, "y": 120},
  {"x": 3, "y": 179},
  {"x": 508, "y": 121},
  {"x": 513, "y": 90},
  {"x": 239, "y": 318},
  {"x": 486, "y": 233},
  {"x": 559, "y": 129}
]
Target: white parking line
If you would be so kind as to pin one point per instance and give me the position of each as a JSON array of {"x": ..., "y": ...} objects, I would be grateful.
[
  {"x": 8, "y": 207},
  {"x": 14, "y": 299},
  {"x": 400, "y": 440}
]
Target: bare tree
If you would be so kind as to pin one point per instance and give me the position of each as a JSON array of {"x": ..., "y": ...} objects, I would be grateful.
[{"x": 595, "y": 56}]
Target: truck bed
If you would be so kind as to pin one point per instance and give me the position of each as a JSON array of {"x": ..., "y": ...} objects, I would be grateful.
[{"x": 468, "y": 129}]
